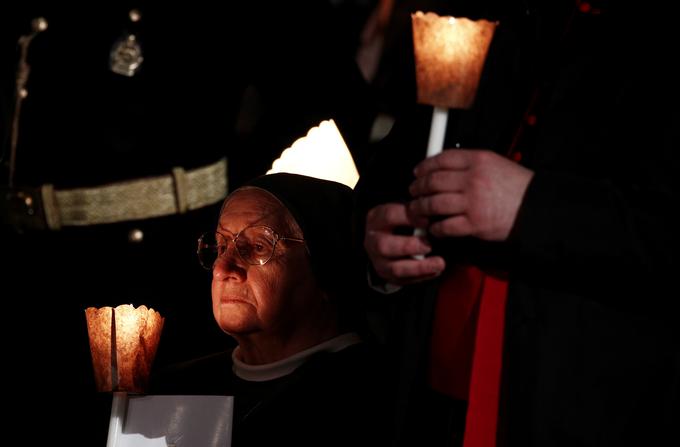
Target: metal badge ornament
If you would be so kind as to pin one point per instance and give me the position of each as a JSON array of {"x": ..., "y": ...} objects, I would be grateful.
[{"x": 126, "y": 56}]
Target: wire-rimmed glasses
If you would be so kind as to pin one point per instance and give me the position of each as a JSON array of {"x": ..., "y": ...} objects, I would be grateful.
[{"x": 255, "y": 245}]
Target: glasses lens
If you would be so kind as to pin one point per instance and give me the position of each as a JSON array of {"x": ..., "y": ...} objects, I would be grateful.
[
  {"x": 256, "y": 245},
  {"x": 207, "y": 250}
]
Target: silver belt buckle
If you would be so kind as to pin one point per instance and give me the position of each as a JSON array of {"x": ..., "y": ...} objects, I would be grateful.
[{"x": 22, "y": 208}]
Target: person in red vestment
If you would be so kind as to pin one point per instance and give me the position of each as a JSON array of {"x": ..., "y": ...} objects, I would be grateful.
[{"x": 539, "y": 315}]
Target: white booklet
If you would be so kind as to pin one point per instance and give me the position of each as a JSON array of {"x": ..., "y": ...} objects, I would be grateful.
[{"x": 176, "y": 421}]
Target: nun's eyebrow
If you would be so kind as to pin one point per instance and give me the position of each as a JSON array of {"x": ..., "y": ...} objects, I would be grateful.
[{"x": 261, "y": 220}]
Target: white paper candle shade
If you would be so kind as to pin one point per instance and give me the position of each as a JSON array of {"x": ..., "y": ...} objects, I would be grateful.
[
  {"x": 123, "y": 343},
  {"x": 449, "y": 56}
]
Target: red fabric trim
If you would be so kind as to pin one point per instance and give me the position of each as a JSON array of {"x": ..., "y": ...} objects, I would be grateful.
[
  {"x": 466, "y": 349},
  {"x": 481, "y": 422},
  {"x": 453, "y": 331}
]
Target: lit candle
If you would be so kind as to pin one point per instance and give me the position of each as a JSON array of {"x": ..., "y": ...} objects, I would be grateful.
[
  {"x": 449, "y": 55},
  {"x": 123, "y": 344}
]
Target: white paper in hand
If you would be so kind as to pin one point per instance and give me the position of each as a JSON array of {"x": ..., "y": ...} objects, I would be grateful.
[{"x": 179, "y": 421}]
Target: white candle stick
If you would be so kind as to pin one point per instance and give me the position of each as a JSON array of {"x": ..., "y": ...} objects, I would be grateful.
[
  {"x": 118, "y": 409},
  {"x": 435, "y": 145}
]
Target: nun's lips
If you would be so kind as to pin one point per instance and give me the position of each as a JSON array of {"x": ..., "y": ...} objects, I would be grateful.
[{"x": 226, "y": 299}]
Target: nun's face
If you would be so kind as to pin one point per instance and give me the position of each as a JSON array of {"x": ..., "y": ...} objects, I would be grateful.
[{"x": 270, "y": 299}]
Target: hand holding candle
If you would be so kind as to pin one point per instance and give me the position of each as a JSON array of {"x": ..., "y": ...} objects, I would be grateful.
[{"x": 449, "y": 55}]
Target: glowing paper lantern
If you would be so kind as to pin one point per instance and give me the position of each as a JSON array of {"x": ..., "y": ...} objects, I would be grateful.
[
  {"x": 123, "y": 343},
  {"x": 450, "y": 54},
  {"x": 322, "y": 153}
]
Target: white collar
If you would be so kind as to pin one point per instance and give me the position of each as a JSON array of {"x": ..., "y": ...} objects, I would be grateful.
[{"x": 283, "y": 367}]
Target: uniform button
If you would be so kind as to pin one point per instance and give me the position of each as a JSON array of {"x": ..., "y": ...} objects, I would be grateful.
[
  {"x": 517, "y": 156},
  {"x": 136, "y": 235},
  {"x": 135, "y": 15},
  {"x": 531, "y": 120},
  {"x": 39, "y": 24}
]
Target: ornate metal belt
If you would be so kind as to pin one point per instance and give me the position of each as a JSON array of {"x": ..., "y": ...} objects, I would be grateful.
[{"x": 180, "y": 191}]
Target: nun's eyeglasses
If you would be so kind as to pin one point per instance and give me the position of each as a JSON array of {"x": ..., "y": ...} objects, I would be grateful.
[{"x": 255, "y": 245}]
